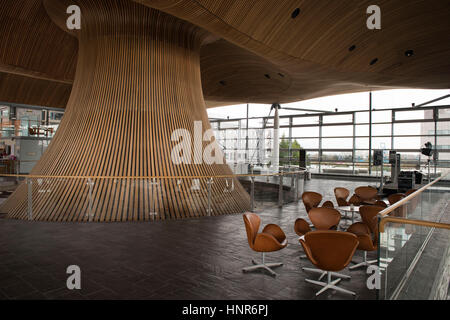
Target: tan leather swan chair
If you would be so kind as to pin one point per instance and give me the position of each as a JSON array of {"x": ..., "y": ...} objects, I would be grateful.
[
  {"x": 312, "y": 200},
  {"x": 368, "y": 195},
  {"x": 322, "y": 219},
  {"x": 272, "y": 238},
  {"x": 367, "y": 233},
  {"x": 341, "y": 195},
  {"x": 330, "y": 251},
  {"x": 396, "y": 197},
  {"x": 400, "y": 211},
  {"x": 380, "y": 203}
]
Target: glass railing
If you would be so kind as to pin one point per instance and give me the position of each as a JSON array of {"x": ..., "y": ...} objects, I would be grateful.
[
  {"x": 152, "y": 198},
  {"x": 14, "y": 167},
  {"x": 412, "y": 256}
]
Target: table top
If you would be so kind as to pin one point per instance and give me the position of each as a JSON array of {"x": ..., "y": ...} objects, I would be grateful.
[{"x": 348, "y": 208}]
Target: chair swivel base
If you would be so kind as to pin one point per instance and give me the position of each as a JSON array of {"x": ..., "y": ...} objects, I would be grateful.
[
  {"x": 329, "y": 285},
  {"x": 364, "y": 263},
  {"x": 324, "y": 273},
  {"x": 263, "y": 265}
]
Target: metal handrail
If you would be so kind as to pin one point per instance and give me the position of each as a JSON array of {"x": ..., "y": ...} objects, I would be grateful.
[
  {"x": 154, "y": 177},
  {"x": 412, "y": 221}
]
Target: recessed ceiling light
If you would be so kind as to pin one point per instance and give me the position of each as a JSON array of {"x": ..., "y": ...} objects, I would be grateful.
[
  {"x": 409, "y": 53},
  {"x": 295, "y": 13},
  {"x": 353, "y": 47},
  {"x": 373, "y": 61}
]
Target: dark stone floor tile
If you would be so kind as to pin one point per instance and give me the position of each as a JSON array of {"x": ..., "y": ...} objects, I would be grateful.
[
  {"x": 19, "y": 288},
  {"x": 104, "y": 294},
  {"x": 178, "y": 259},
  {"x": 43, "y": 282}
]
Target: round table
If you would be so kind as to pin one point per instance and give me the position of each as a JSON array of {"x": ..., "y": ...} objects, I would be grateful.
[{"x": 349, "y": 209}]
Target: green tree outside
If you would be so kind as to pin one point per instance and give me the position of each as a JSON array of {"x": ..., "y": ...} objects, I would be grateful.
[{"x": 284, "y": 154}]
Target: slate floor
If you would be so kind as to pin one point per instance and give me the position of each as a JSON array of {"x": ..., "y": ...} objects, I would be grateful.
[{"x": 185, "y": 259}]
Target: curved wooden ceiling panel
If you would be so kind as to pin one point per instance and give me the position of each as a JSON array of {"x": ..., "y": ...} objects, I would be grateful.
[
  {"x": 260, "y": 37},
  {"x": 316, "y": 43},
  {"x": 37, "y": 59},
  {"x": 27, "y": 90}
]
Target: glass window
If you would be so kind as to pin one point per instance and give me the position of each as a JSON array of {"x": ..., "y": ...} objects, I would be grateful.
[
  {"x": 305, "y": 120},
  {"x": 362, "y": 130},
  {"x": 381, "y": 130},
  {"x": 309, "y": 143},
  {"x": 443, "y": 143},
  {"x": 381, "y": 143},
  {"x": 409, "y": 142},
  {"x": 413, "y": 115},
  {"x": 410, "y": 160},
  {"x": 444, "y": 113},
  {"x": 381, "y": 116},
  {"x": 342, "y": 118},
  {"x": 337, "y": 143},
  {"x": 337, "y": 131},
  {"x": 362, "y": 117},
  {"x": 300, "y": 132},
  {"x": 284, "y": 121},
  {"x": 337, "y": 156},
  {"x": 362, "y": 143},
  {"x": 361, "y": 156},
  {"x": 255, "y": 123},
  {"x": 229, "y": 124},
  {"x": 414, "y": 128},
  {"x": 443, "y": 127}
]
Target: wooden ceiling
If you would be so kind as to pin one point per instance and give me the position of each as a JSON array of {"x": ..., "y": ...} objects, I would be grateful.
[{"x": 260, "y": 53}]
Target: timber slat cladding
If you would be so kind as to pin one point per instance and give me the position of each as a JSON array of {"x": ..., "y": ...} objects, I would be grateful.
[{"x": 137, "y": 80}]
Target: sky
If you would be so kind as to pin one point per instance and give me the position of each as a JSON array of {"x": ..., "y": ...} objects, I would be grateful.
[{"x": 399, "y": 98}]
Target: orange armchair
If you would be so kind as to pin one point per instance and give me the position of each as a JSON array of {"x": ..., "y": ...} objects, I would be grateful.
[
  {"x": 368, "y": 195},
  {"x": 341, "y": 195},
  {"x": 367, "y": 233},
  {"x": 396, "y": 197},
  {"x": 322, "y": 219},
  {"x": 330, "y": 251},
  {"x": 400, "y": 211},
  {"x": 272, "y": 238},
  {"x": 312, "y": 200},
  {"x": 380, "y": 203}
]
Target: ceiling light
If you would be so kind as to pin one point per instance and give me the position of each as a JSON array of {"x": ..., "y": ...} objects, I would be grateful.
[
  {"x": 409, "y": 53},
  {"x": 295, "y": 13}
]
